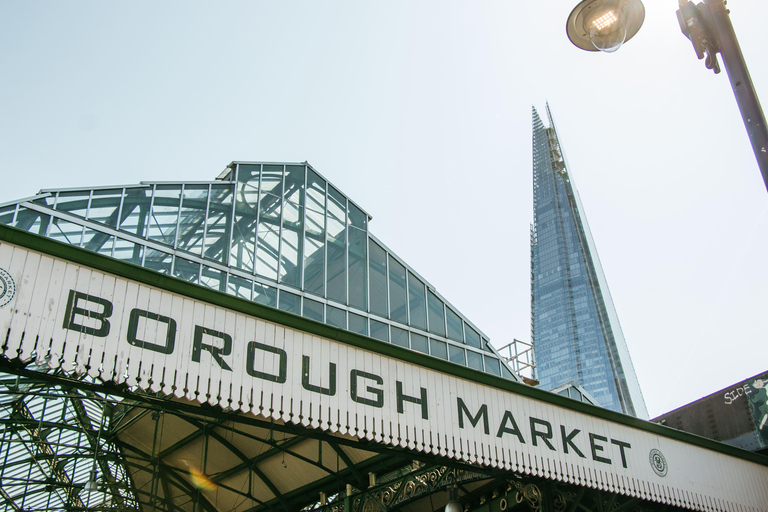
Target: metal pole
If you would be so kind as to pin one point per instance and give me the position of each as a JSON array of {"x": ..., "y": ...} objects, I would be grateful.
[{"x": 709, "y": 28}]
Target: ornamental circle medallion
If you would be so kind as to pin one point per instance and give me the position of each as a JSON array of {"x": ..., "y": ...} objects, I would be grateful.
[
  {"x": 658, "y": 462},
  {"x": 7, "y": 287}
]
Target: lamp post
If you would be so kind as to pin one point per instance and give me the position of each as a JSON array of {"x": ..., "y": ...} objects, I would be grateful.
[{"x": 604, "y": 25}]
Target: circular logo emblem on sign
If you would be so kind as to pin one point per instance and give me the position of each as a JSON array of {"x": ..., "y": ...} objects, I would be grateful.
[
  {"x": 7, "y": 287},
  {"x": 658, "y": 462}
]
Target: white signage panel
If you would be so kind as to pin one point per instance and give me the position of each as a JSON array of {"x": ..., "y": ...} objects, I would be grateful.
[{"x": 85, "y": 321}]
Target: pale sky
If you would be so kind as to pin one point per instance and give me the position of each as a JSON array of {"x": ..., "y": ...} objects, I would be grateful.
[{"x": 421, "y": 113}]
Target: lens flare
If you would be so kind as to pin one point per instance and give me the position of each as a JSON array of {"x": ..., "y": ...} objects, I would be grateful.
[{"x": 201, "y": 480}]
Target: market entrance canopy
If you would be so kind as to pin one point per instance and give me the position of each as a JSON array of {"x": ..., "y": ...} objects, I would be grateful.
[{"x": 86, "y": 314}]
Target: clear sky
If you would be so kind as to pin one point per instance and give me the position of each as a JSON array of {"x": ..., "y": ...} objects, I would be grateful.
[{"x": 421, "y": 113}]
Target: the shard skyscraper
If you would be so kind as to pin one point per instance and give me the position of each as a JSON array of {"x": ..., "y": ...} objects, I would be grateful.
[{"x": 574, "y": 326}]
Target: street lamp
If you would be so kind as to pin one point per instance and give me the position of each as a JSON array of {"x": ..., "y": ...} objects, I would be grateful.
[{"x": 607, "y": 24}]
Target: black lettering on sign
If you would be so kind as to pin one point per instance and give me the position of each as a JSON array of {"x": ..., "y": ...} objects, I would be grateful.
[
  {"x": 568, "y": 441},
  {"x": 481, "y": 413},
  {"x": 622, "y": 445},
  {"x": 282, "y": 365},
  {"x": 545, "y": 435},
  {"x": 378, "y": 393},
  {"x": 598, "y": 448},
  {"x": 504, "y": 429},
  {"x": 76, "y": 308},
  {"x": 133, "y": 328},
  {"x": 198, "y": 346},
  {"x": 330, "y": 390},
  {"x": 418, "y": 401}
]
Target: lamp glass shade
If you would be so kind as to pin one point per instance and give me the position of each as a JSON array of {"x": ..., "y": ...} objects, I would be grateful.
[{"x": 604, "y": 25}]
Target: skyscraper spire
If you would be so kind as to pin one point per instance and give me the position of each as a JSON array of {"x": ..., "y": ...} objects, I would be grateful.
[{"x": 574, "y": 326}]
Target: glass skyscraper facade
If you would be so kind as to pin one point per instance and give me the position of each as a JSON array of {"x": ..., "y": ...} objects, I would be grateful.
[
  {"x": 278, "y": 234},
  {"x": 574, "y": 326}
]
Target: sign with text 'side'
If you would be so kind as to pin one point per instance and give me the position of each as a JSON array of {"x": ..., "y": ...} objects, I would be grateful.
[{"x": 85, "y": 321}]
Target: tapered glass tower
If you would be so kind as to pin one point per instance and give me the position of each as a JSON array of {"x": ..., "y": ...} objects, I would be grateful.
[{"x": 574, "y": 326}]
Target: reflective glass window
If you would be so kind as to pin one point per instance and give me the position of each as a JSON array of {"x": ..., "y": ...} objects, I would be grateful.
[
  {"x": 379, "y": 330},
  {"x": 454, "y": 322},
  {"x": 492, "y": 365},
  {"x": 272, "y": 180},
  {"x": 314, "y": 235},
  {"x": 165, "y": 214},
  {"x": 358, "y": 269},
  {"x": 239, "y": 286},
  {"x": 294, "y": 184},
  {"x": 66, "y": 232},
  {"x": 264, "y": 294},
  {"x": 438, "y": 348},
  {"x": 397, "y": 292},
  {"x": 97, "y": 241},
  {"x": 135, "y": 213},
  {"x": 313, "y": 309},
  {"x": 219, "y": 222},
  {"x": 30, "y": 220},
  {"x": 336, "y": 317},
  {"x": 472, "y": 338},
  {"x": 399, "y": 336},
  {"x": 290, "y": 302},
  {"x": 356, "y": 217},
  {"x": 6, "y": 214},
  {"x": 474, "y": 360},
  {"x": 268, "y": 233},
  {"x": 128, "y": 251},
  {"x": 105, "y": 205},
  {"x": 456, "y": 355},
  {"x": 191, "y": 219},
  {"x": 337, "y": 246},
  {"x": 158, "y": 261},
  {"x": 417, "y": 302},
  {"x": 186, "y": 270},
  {"x": 420, "y": 343},
  {"x": 291, "y": 248},
  {"x": 378, "y": 284},
  {"x": 436, "y": 314},
  {"x": 358, "y": 324},
  {"x": 75, "y": 202},
  {"x": 213, "y": 278}
]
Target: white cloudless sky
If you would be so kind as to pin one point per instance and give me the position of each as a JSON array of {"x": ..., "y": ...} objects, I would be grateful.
[{"x": 421, "y": 113}]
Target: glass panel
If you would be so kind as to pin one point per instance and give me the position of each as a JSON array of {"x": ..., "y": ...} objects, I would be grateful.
[
  {"x": 474, "y": 360},
  {"x": 249, "y": 173},
  {"x": 294, "y": 183},
  {"x": 105, "y": 205},
  {"x": 264, "y": 294},
  {"x": 487, "y": 345},
  {"x": 397, "y": 299},
  {"x": 268, "y": 237},
  {"x": 75, "y": 202},
  {"x": 66, "y": 232},
  {"x": 213, "y": 278},
  {"x": 436, "y": 314},
  {"x": 358, "y": 324},
  {"x": 379, "y": 330},
  {"x": 400, "y": 337},
  {"x": 313, "y": 309},
  {"x": 336, "y": 317},
  {"x": 30, "y": 220},
  {"x": 128, "y": 251},
  {"x": 492, "y": 365},
  {"x": 6, "y": 214},
  {"x": 358, "y": 286},
  {"x": 293, "y": 215},
  {"x": 378, "y": 284},
  {"x": 290, "y": 302},
  {"x": 506, "y": 373},
  {"x": 135, "y": 214},
  {"x": 186, "y": 270},
  {"x": 314, "y": 235},
  {"x": 356, "y": 217},
  {"x": 454, "y": 322},
  {"x": 165, "y": 213},
  {"x": 473, "y": 339},
  {"x": 456, "y": 355},
  {"x": 337, "y": 247},
  {"x": 417, "y": 302},
  {"x": 419, "y": 342},
  {"x": 191, "y": 218},
  {"x": 272, "y": 180},
  {"x": 239, "y": 286},
  {"x": 438, "y": 348},
  {"x": 158, "y": 261},
  {"x": 219, "y": 223},
  {"x": 96, "y": 241}
]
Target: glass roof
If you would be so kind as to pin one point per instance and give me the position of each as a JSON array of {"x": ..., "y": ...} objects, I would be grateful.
[{"x": 278, "y": 234}]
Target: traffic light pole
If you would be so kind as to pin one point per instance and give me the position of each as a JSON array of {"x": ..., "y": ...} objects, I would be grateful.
[{"x": 709, "y": 28}]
